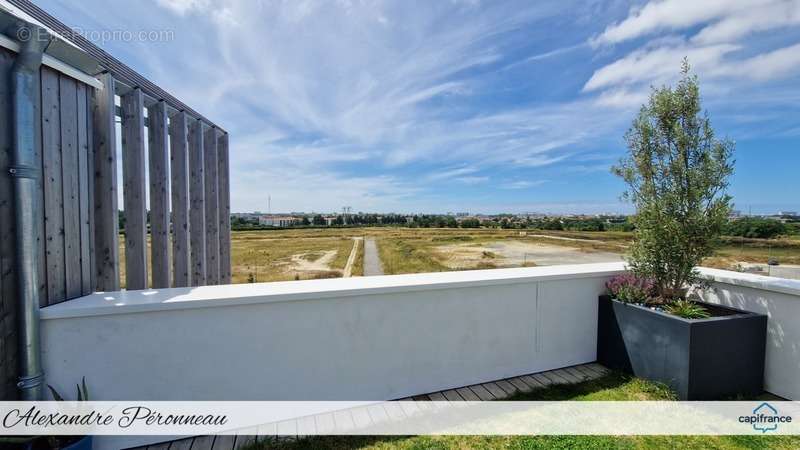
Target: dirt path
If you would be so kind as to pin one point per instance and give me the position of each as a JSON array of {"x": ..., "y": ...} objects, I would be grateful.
[
  {"x": 516, "y": 254},
  {"x": 562, "y": 238},
  {"x": 301, "y": 262},
  {"x": 348, "y": 268},
  {"x": 372, "y": 261}
]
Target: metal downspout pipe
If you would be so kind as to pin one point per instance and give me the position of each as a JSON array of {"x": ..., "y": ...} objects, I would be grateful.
[{"x": 26, "y": 173}]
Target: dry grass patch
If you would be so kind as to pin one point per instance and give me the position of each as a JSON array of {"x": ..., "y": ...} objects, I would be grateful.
[
  {"x": 259, "y": 257},
  {"x": 266, "y": 254}
]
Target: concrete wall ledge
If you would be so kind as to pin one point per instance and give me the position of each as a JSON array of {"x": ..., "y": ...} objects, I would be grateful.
[
  {"x": 138, "y": 301},
  {"x": 761, "y": 282}
]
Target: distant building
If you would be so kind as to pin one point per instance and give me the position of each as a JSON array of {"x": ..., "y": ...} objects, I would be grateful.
[
  {"x": 787, "y": 213},
  {"x": 277, "y": 221}
]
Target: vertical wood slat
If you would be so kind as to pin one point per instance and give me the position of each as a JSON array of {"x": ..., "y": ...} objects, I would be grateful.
[
  {"x": 70, "y": 190},
  {"x": 8, "y": 291},
  {"x": 40, "y": 235},
  {"x": 92, "y": 287},
  {"x": 106, "y": 221},
  {"x": 158, "y": 146},
  {"x": 212, "y": 206},
  {"x": 197, "y": 229},
  {"x": 179, "y": 166},
  {"x": 224, "y": 210},
  {"x": 53, "y": 207},
  {"x": 84, "y": 196},
  {"x": 134, "y": 190}
]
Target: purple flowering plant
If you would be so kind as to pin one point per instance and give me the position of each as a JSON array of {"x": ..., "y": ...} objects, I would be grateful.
[{"x": 629, "y": 288}]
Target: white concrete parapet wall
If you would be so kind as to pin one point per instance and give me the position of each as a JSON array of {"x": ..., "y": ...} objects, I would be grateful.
[
  {"x": 779, "y": 299},
  {"x": 364, "y": 338}
]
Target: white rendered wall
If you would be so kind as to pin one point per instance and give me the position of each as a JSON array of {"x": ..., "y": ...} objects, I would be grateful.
[
  {"x": 779, "y": 299},
  {"x": 370, "y": 338}
]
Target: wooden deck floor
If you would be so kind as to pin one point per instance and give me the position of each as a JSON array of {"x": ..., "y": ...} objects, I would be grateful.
[{"x": 495, "y": 390}]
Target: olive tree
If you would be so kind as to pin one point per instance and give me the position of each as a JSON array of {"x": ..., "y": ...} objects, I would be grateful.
[{"x": 677, "y": 174}]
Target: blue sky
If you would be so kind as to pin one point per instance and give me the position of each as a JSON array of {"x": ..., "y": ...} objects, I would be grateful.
[{"x": 463, "y": 105}]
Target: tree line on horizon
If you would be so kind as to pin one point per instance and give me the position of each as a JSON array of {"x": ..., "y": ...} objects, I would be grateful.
[{"x": 745, "y": 227}]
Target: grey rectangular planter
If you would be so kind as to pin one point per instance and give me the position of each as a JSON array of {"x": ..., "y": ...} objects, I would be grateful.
[{"x": 701, "y": 359}]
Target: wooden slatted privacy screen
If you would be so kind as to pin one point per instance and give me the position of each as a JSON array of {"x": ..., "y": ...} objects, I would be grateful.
[
  {"x": 78, "y": 236},
  {"x": 66, "y": 167},
  {"x": 186, "y": 226},
  {"x": 189, "y": 192}
]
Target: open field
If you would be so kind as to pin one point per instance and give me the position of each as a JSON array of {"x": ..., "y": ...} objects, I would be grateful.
[
  {"x": 433, "y": 250},
  {"x": 281, "y": 255},
  {"x": 258, "y": 256}
]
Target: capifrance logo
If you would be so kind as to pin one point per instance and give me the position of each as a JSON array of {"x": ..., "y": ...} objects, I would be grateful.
[{"x": 765, "y": 418}]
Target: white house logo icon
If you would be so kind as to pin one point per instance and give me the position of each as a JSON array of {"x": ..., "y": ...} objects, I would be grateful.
[{"x": 765, "y": 418}]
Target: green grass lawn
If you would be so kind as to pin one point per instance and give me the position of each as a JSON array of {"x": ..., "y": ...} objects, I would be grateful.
[{"x": 611, "y": 387}]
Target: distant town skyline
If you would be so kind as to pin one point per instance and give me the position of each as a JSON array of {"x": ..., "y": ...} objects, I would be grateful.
[
  {"x": 734, "y": 213},
  {"x": 487, "y": 107}
]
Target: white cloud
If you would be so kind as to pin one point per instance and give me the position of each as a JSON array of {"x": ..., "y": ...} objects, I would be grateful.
[
  {"x": 747, "y": 21},
  {"x": 523, "y": 184},
  {"x": 626, "y": 79},
  {"x": 472, "y": 180},
  {"x": 717, "y": 52},
  {"x": 656, "y": 65},
  {"x": 451, "y": 172},
  {"x": 669, "y": 15},
  {"x": 539, "y": 161},
  {"x": 767, "y": 66},
  {"x": 622, "y": 97},
  {"x": 184, "y": 6},
  {"x": 342, "y": 98}
]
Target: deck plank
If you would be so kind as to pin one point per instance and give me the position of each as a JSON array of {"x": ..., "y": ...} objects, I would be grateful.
[
  {"x": 243, "y": 440},
  {"x": 452, "y": 395},
  {"x": 586, "y": 372},
  {"x": 567, "y": 376},
  {"x": 507, "y": 387},
  {"x": 498, "y": 393},
  {"x": 181, "y": 444},
  {"x": 437, "y": 397},
  {"x": 576, "y": 373},
  {"x": 546, "y": 382},
  {"x": 203, "y": 443},
  {"x": 519, "y": 384},
  {"x": 224, "y": 442},
  {"x": 467, "y": 394},
  {"x": 532, "y": 382},
  {"x": 554, "y": 378},
  {"x": 482, "y": 392},
  {"x": 597, "y": 368}
]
